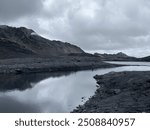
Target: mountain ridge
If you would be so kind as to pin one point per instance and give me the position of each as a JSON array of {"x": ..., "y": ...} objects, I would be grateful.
[
  {"x": 24, "y": 42},
  {"x": 120, "y": 56}
]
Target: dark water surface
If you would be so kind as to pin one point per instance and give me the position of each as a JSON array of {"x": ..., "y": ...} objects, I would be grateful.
[{"x": 52, "y": 92}]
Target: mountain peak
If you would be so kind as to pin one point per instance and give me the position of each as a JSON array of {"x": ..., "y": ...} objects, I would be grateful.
[
  {"x": 121, "y": 54},
  {"x": 4, "y": 29}
]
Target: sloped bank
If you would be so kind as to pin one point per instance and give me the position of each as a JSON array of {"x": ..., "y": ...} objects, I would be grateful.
[{"x": 120, "y": 92}]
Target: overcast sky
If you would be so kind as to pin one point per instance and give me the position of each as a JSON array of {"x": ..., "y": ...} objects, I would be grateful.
[{"x": 94, "y": 25}]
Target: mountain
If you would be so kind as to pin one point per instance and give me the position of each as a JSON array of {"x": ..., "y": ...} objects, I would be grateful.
[
  {"x": 145, "y": 58},
  {"x": 22, "y": 42},
  {"x": 116, "y": 57}
]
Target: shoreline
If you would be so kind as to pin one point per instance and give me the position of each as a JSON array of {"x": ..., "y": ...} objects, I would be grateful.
[
  {"x": 53, "y": 64},
  {"x": 119, "y": 92}
]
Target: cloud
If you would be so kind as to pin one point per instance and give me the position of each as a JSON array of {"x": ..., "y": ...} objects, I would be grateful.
[
  {"x": 105, "y": 25},
  {"x": 14, "y": 9}
]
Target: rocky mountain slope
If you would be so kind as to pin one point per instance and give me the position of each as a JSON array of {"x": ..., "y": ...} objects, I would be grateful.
[{"x": 23, "y": 42}]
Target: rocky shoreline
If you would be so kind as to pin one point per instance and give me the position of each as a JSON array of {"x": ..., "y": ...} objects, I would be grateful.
[
  {"x": 52, "y": 64},
  {"x": 119, "y": 92}
]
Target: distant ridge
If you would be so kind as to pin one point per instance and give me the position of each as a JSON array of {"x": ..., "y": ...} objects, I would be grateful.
[
  {"x": 147, "y": 58},
  {"x": 116, "y": 57}
]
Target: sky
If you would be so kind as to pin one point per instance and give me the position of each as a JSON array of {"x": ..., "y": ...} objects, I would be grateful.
[{"x": 104, "y": 26}]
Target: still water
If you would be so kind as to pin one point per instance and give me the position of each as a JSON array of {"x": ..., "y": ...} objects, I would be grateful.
[{"x": 52, "y": 92}]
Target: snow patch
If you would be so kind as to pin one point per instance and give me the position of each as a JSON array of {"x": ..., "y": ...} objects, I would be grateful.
[{"x": 34, "y": 34}]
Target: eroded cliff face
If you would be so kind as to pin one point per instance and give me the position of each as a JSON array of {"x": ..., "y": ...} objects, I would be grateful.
[{"x": 23, "y": 42}]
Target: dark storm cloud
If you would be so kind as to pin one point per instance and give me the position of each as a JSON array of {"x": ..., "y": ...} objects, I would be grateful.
[
  {"x": 91, "y": 24},
  {"x": 14, "y": 9}
]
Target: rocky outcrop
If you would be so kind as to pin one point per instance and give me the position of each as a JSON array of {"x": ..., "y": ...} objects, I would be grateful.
[{"x": 23, "y": 42}]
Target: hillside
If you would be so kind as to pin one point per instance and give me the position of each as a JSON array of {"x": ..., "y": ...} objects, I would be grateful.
[
  {"x": 23, "y": 42},
  {"x": 22, "y": 50},
  {"x": 145, "y": 58}
]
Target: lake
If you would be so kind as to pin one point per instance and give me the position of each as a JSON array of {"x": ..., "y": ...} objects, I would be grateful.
[{"x": 53, "y": 92}]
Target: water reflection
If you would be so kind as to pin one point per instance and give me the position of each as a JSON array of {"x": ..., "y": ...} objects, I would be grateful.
[
  {"x": 53, "y": 94},
  {"x": 57, "y": 92},
  {"x": 10, "y": 104},
  {"x": 21, "y": 82}
]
